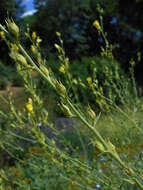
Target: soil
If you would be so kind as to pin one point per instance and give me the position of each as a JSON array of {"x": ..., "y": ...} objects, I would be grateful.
[
  {"x": 16, "y": 91},
  {"x": 18, "y": 94}
]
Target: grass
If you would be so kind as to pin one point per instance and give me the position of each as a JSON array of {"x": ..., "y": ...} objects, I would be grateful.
[
  {"x": 120, "y": 130},
  {"x": 114, "y": 126}
]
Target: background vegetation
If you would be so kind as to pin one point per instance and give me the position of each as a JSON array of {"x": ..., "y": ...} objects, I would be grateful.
[
  {"x": 77, "y": 120},
  {"x": 124, "y": 28}
]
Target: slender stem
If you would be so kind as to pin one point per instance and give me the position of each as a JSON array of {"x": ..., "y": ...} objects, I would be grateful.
[
  {"x": 129, "y": 171},
  {"x": 3, "y": 28},
  {"x": 122, "y": 112},
  {"x": 82, "y": 144},
  {"x": 96, "y": 133},
  {"x": 35, "y": 66}
]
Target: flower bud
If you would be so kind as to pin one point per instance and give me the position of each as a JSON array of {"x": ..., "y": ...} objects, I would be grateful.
[
  {"x": 99, "y": 146},
  {"x": 66, "y": 110},
  {"x": 89, "y": 80},
  {"x": 18, "y": 57},
  {"x": 12, "y": 27},
  {"x": 34, "y": 50},
  {"x": 38, "y": 41},
  {"x": 58, "y": 34},
  {"x": 111, "y": 146},
  {"x": 34, "y": 35},
  {"x": 62, "y": 69},
  {"x": 58, "y": 47},
  {"x": 2, "y": 35},
  {"x": 15, "y": 48},
  {"x": 90, "y": 112},
  {"x": 60, "y": 88},
  {"x": 29, "y": 106},
  {"x": 44, "y": 69},
  {"x": 97, "y": 26}
]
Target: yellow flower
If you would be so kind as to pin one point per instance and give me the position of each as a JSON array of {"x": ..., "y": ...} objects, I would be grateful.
[
  {"x": 39, "y": 40},
  {"x": 2, "y": 35},
  {"x": 33, "y": 49},
  {"x": 97, "y": 25},
  {"x": 29, "y": 106},
  {"x": 89, "y": 80},
  {"x": 15, "y": 47},
  {"x": 62, "y": 69},
  {"x": 34, "y": 35}
]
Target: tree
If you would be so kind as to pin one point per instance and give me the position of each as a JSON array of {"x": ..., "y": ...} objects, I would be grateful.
[
  {"x": 122, "y": 21},
  {"x": 9, "y": 8},
  {"x": 67, "y": 17}
]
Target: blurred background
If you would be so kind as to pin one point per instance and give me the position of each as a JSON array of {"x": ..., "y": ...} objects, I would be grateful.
[{"x": 123, "y": 22}]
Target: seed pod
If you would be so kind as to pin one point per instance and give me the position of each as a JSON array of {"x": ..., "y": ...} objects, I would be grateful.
[
  {"x": 99, "y": 146},
  {"x": 66, "y": 110},
  {"x": 34, "y": 50},
  {"x": 44, "y": 69},
  {"x": 21, "y": 59},
  {"x": 12, "y": 27},
  {"x": 111, "y": 146},
  {"x": 58, "y": 34},
  {"x": 90, "y": 112},
  {"x": 60, "y": 88},
  {"x": 18, "y": 57}
]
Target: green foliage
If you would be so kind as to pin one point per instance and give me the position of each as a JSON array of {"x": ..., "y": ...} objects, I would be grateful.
[
  {"x": 106, "y": 73},
  {"x": 7, "y": 6},
  {"x": 76, "y": 17},
  {"x": 71, "y": 15},
  {"x": 90, "y": 158},
  {"x": 123, "y": 29}
]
